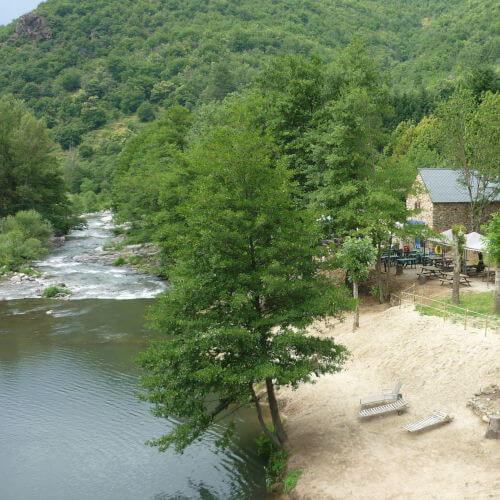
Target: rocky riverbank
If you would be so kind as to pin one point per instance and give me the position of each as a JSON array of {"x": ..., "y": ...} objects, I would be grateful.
[
  {"x": 143, "y": 258},
  {"x": 92, "y": 261}
]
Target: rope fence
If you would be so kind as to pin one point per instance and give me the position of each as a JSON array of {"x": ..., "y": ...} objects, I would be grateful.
[{"x": 456, "y": 314}]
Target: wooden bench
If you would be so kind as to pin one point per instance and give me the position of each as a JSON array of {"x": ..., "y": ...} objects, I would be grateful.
[{"x": 398, "y": 406}]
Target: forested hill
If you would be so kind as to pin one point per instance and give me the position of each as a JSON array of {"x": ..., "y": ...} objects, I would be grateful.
[{"x": 81, "y": 64}]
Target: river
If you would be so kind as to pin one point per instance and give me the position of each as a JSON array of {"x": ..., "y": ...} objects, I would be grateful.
[{"x": 70, "y": 425}]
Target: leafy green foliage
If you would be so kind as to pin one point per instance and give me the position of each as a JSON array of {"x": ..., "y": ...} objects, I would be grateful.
[
  {"x": 125, "y": 52},
  {"x": 119, "y": 261},
  {"x": 291, "y": 480},
  {"x": 23, "y": 238},
  {"x": 244, "y": 285},
  {"x": 145, "y": 112},
  {"x": 492, "y": 233},
  {"x": 151, "y": 177},
  {"x": 275, "y": 459},
  {"x": 53, "y": 290},
  {"x": 356, "y": 256},
  {"x": 30, "y": 177}
]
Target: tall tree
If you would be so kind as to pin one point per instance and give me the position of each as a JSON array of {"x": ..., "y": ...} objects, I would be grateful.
[
  {"x": 30, "y": 176},
  {"x": 356, "y": 256},
  {"x": 458, "y": 234},
  {"x": 470, "y": 136},
  {"x": 492, "y": 231},
  {"x": 244, "y": 286}
]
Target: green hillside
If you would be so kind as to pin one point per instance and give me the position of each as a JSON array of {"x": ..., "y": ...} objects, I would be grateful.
[{"x": 86, "y": 63}]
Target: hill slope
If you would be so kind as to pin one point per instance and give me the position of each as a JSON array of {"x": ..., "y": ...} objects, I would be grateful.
[{"x": 82, "y": 64}]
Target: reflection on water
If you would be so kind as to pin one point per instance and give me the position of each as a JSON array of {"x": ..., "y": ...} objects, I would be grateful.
[{"x": 70, "y": 426}]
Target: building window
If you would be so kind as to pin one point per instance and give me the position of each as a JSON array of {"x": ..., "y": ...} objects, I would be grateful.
[{"x": 417, "y": 205}]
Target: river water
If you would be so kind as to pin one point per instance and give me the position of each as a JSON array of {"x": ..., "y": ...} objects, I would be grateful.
[{"x": 70, "y": 425}]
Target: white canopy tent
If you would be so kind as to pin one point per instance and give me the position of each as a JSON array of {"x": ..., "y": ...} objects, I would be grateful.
[{"x": 474, "y": 242}]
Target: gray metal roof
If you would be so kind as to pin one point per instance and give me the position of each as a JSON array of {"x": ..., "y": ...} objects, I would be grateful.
[{"x": 444, "y": 185}]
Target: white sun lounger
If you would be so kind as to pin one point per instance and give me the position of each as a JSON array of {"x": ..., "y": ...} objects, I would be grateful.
[
  {"x": 438, "y": 417},
  {"x": 399, "y": 406},
  {"x": 386, "y": 396}
]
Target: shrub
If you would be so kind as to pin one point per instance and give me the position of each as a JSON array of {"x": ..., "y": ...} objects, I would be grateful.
[
  {"x": 145, "y": 112},
  {"x": 136, "y": 259},
  {"x": 131, "y": 99},
  {"x": 23, "y": 238},
  {"x": 120, "y": 261},
  {"x": 69, "y": 135},
  {"x": 70, "y": 80},
  {"x": 85, "y": 151},
  {"x": 291, "y": 480},
  {"x": 276, "y": 461},
  {"x": 54, "y": 290},
  {"x": 93, "y": 117}
]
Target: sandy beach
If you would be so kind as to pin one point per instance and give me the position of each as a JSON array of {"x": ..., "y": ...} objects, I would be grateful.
[{"x": 441, "y": 366}]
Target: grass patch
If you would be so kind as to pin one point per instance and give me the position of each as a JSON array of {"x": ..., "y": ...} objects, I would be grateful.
[
  {"x": 136, "y": 259},
  {"x": 30, "y": 271},
  {"x": 482, "y": 303},
  {"x": 291, "y": 480},
  {"x": 120, "y": 261},
  {"x": 276, "y": 458},
  {"x": 54, "y": 290}
]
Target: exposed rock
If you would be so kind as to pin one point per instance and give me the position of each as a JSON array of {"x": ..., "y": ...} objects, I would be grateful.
[
  {"x": 493, "y": 431},
  {"x": 486, "y": 405},
  {"x": 58, "y": 240},
  {"x": 34, "y": 26}
]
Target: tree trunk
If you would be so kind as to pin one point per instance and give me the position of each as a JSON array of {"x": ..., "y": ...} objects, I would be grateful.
[
  {"x": 388, "y": 275},
  {"x": 497, "y": 289},
  {"x": 356, "y": 311},
  {"x": 263, "y": 425},
  {"x": 455, "y": 296},
  {"x": 275, "y": 412},
  {"x": 378, "y": 270}
]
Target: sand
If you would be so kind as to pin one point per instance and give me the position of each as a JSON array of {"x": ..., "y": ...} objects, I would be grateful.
[{"x": 441, "y": 367}]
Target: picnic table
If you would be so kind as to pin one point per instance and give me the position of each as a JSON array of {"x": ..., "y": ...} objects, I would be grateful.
[
  {"x": 404, "y": 261},
  {"x": 442, "y": 263},
  {"x": 385, "y": 258},
  {"x": 430, "y": 272},
  {"x": 448, "y": 279}
]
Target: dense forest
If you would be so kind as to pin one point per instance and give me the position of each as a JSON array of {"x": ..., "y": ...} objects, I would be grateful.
[{"x": 96, "y": 70}]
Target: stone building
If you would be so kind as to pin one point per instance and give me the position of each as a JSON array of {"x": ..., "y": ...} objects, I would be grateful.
[{"x": 442, "y": 200}]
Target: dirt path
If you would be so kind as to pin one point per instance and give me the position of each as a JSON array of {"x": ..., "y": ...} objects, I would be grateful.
[{"x": 441, "y": 366}]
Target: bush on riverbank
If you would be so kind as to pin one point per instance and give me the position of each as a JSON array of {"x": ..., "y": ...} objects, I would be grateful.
[
  {"x": 54, "y": 290},
  {"x": 275, "y": 470},
  {"x": 24, "y": 237}
]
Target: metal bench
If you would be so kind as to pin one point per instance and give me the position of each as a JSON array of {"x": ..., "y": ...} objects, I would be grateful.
[
  {"x": 398, "y": 406},
  {"x": 437, "y": 418},
  {"x": 387, "y": 396}
]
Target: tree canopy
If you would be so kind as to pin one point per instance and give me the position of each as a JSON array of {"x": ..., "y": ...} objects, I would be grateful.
[
  {"x": 245, "y": 284},
  {"x": 30, "y": 175}
]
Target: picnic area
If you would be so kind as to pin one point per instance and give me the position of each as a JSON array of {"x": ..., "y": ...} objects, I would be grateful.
[{"x": 441, "y": 366}]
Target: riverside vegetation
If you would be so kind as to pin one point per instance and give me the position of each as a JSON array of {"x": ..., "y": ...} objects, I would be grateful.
[{"x": 235, "y": 143}]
